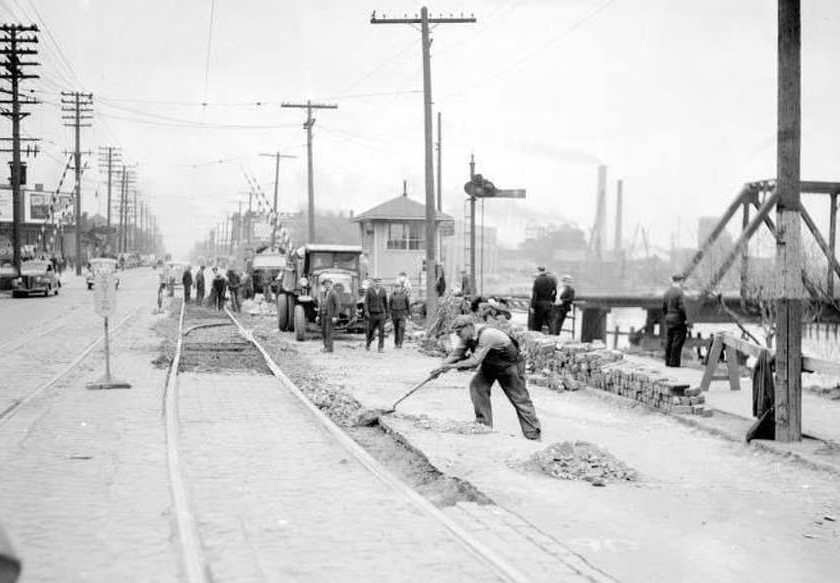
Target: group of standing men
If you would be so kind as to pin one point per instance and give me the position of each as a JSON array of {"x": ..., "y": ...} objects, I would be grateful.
[
  {"x": 378, "y": 308},
  {"x": 550, "y": 301},
  {"x": 222, "y": 285}
]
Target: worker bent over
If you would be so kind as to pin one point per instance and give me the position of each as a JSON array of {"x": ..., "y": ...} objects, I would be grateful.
[{"x": 497, "y": 357}]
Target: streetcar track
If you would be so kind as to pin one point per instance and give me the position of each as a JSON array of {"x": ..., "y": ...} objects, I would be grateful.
[
  {"x": 491, "y": 559},
  {"x": 194, "y": 564},
  {"x": 16, "y": 405}
]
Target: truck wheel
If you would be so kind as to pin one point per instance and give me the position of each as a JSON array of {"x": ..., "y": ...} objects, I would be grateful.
[
  {"x": 300, "y": 323},
  {"x": 282, "y": 312}
]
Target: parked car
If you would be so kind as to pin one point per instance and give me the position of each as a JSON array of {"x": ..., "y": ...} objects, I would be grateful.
[
  {"x": 90, "y": 279},
  {"x": 36, "y": 277}
]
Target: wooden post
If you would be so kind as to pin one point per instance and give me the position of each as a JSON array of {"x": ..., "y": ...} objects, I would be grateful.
[
  {"x": 832, "y": 240},
  {"x": 745, "y": 250},
  {"x": 732, "y": 368},
  {"x": 788, "y": 245},
  {"x": 711, "y": 363},
  {"x": 615, "y": 337}
]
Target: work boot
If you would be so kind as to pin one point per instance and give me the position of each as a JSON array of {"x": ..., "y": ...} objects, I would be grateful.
[
  {"x": 367, "y": 347},
  {"x": 380, "y": 349}
]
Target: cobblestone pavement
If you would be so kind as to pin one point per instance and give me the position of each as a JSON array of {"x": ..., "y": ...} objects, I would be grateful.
[
  {"x": 277, "y": 498},
  {"x": 84, "y": 491}
]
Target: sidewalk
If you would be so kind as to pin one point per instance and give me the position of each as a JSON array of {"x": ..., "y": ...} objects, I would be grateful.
[{"x": 820, "y": 416}]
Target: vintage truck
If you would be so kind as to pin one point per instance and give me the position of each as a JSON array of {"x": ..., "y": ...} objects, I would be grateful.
[{"x": 300, "y": 291}]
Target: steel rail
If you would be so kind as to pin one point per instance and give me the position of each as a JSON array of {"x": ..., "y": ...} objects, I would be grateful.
[
  {"x": 194, "y": 564},
  {"x": 498, "y": 565},
  {"x": 12, "y": 409}
]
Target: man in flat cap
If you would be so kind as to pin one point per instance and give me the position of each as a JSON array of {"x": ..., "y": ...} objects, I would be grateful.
[
  {"x": 330, "y": 307},
  {"x": 497, "y": 357},
  {"x": 562, "y": 305},
  {"x": 376, "y": 312},
  {"x": 676, "y": 321},
  {"x": 542, "y": 298}
]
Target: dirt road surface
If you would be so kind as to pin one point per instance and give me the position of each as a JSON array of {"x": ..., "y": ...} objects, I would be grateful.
[{"x": 703, "y": 508}]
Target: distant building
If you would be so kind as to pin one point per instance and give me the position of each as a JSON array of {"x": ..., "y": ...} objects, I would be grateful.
[{"x": 393, "y": 236}]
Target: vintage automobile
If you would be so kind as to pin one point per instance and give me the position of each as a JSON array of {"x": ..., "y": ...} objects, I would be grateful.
[
  {"x": 36, "y": 277},
  {"x": 300, "y": 290},
  {"x": 265, "y": 269}
]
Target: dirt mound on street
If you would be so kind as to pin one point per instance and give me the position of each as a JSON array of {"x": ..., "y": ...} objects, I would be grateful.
[{"x": 580, "y": 460}]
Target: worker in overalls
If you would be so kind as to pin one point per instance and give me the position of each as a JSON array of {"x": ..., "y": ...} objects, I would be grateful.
[{"x": 497, "y": 357}]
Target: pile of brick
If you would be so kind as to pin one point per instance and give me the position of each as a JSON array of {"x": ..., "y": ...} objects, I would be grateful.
[{"x": 573, "y": 366}]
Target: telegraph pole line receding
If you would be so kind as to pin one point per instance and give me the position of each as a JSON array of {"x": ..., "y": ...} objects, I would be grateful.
[
  {"x": 77, "y": 109},
  {"x": 276, "y": 217},
  {"x": 431, "y": 214},
  {"x": 310, "y": 121},
  {"x": 109, "y": 157},
  {"x": 12, "y": 46}
]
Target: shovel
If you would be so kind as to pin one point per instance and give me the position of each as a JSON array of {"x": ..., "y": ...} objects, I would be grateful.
[{"x": 370, "y": 417}]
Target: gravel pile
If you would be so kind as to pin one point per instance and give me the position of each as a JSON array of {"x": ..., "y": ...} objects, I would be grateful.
[
  {"x": 581, "y": 460},
  {"x": 332, "y": 400}
]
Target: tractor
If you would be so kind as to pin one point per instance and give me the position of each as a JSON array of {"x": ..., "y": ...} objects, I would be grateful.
[{"x": 300, "y": 292}]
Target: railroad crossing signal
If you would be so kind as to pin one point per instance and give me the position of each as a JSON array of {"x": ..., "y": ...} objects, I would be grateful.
[{"x": 480, "y": 187}]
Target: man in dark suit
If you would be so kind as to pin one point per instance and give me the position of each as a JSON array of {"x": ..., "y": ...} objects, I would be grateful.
[
  {"x": 562, "y": 305},
  {"x": 330, "y": 307},
  {"x": 376, "y": 312},
  {"x": 676, "y": 321},
  {"x": 542, "y": 298}
]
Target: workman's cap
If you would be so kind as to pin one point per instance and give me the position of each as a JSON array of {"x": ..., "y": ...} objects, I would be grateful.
[
  {"x": 540, "y": 268},
  {"x": 567, "y": 278},
  {"x": 377, "y": 278},
  {"x": 325, "y": 279},
  {"x": 461, "y": 321},
  {"x": 677, "y": 277}
]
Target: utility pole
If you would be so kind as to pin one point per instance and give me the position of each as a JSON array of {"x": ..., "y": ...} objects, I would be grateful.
[
  {"x": 439, "y": 190},
  {"x": 276, "y": 218},
  {"x": 431, "y": 215},
  {"x": 77, "y": 108},
  {"x": 307, "y": 125},
  {"x": 788, "y": 243},
  {"x": 13, "y": 46},
  {"x": 472, "y": 228},
  {"x": 109, "y": 157}
]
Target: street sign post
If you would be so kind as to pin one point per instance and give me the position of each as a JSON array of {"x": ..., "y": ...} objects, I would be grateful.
[{"x": 105, "y": 305}]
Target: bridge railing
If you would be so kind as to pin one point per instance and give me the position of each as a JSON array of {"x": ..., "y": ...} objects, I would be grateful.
[{"x": 730, "y": 345}]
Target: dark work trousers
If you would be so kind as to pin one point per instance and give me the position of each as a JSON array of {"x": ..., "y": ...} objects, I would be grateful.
[
  {"x": 512, "y": 380},
  {"x": 675, "y": 338},
  {"x": 542, "y": 315},
  {"x": 327, "y": 333},
  {"x": 399, "y": 328},
  {"x": 235, "y": 304},
  {"x": 558, "y": 316},
  {"x": 187, "y": 291},
  {"x": 219, "y": 293},
  {"x": 376, "y": 321},
  {"x": 199, "y": 293}
]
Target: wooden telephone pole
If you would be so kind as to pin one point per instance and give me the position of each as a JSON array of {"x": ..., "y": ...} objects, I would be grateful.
[
  {"x": 77, "y": 109},
  {"x": 13, "y": 47},
  {"x": 788, "y": 241},
  {"x": 109, "y": 157},
  {"x": 307, "y": 125},
  {"x": 431, "y": 214}
]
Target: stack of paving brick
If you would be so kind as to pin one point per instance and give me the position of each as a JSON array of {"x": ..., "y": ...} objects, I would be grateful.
[{"x": 575, "y": 365}]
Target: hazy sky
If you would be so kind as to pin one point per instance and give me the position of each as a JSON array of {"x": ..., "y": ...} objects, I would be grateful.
[{"x": 678, "y": 99}]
